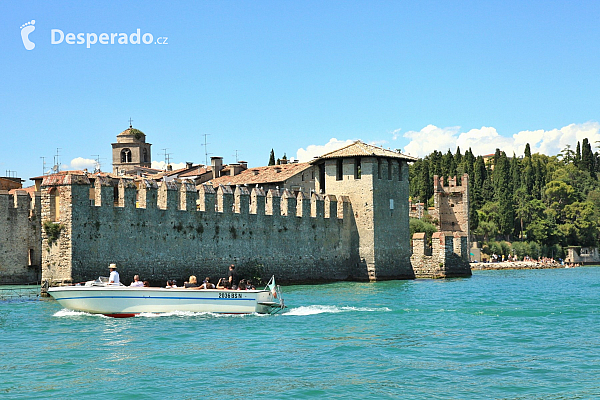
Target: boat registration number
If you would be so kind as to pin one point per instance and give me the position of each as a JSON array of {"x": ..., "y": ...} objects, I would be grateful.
[{"x": 230, "y": 295}]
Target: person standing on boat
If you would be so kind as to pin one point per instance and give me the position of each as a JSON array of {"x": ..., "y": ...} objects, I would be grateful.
[
  {"x": 233, "y": 277},
  {"x": 113, "y": 278}
]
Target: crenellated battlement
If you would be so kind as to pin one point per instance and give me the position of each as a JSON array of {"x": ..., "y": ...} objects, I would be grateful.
[
  {"x": 20, "y": 229},
  {"x": 183, "y": 196}
]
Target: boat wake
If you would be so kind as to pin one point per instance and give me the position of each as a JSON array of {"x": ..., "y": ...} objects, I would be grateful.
[
  {"x": 65, "y": 312},
  {"x": 318, "y": 309}
]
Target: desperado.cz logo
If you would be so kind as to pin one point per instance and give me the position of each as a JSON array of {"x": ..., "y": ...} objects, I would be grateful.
[{"x": 57, "y": 36}]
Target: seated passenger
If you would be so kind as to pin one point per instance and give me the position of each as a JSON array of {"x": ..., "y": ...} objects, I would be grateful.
[
  {"x": 136, "y": 282},
  {"x": 249, "y": 285},
  {"x": 207, "y": 284},
  {"x": 242, "y": 285},
  {"x": 193, "y": 283},
  {"x": 146, "y": 284},
  {"x": 223, "y": 284}
]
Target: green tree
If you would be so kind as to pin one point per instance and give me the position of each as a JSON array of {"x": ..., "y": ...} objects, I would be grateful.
[{"x": 272, "y": 158}]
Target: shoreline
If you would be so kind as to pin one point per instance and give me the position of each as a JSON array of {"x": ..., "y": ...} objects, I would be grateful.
[{"x": 479, "y": 266}]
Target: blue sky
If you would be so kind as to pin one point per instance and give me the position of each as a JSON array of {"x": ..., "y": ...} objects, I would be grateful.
[{"x": 256, "y": 75}]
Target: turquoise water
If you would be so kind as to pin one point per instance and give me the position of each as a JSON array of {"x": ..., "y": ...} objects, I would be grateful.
[{"x": 531, "y": 334}]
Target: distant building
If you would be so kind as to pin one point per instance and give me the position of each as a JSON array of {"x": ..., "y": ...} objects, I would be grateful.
[
  {"x": 7, "y": 183},
  {"x": 296, "y": 177},
  {"x": 130, "y": 152}
]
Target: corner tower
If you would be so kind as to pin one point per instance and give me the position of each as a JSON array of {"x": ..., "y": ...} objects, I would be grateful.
[
  {"x": 376, "y": 181},
  {"x": 131, "y": 151}
]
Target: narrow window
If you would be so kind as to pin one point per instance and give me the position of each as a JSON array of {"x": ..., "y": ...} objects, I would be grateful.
[
  {"x": 145, "y": 153},
  {"x": 339, "y": 171},
  {"x": 389, "y": 168},
  {"x": 378, "y": 168},
  {"x": 357, "y": 168}
]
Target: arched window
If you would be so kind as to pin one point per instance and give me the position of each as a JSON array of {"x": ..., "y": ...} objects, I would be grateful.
[{"x": 125, "y": 156}]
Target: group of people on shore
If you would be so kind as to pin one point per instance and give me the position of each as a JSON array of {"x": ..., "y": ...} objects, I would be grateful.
[{"x": 232, "y": 282}]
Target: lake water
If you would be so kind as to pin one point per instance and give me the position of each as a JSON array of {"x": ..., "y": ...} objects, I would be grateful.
[{"x": 527, "y": 334}]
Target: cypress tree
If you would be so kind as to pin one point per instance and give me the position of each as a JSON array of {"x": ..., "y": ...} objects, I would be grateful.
[
  {"x": 527, "y": 151},
  {"x": 504, "y": 195},
  {"x": 587, "y": 158},
  {"x": 272, "y": 158},
  {"x": 577, "y": 159}
]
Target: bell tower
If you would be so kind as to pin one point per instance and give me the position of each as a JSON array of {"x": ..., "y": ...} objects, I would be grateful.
[{"x": 131, "y": 151}]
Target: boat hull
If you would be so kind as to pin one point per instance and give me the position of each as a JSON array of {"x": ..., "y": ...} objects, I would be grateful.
[{"x": 123, "y": 301}]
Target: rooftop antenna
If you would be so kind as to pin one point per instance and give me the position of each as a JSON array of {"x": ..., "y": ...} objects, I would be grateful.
[
  {"x": 11, "y": 174},
  {"x": 236, "y": 156},
  {"x": 205, "y": 148},
  {"x": 167, "y": 156},
  {"x": 98, "y": 165},
  {"x": 56, "y": 167},
  {"x": 43, "y": 165}
]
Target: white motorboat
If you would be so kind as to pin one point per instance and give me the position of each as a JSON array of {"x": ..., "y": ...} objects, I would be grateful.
[{"x": 98, "y": 297}]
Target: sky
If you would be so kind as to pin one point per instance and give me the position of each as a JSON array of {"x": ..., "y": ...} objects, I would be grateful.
[{"x": 298, "y": 77}]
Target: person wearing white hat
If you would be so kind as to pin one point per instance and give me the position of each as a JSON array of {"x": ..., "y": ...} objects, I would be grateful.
[{"x": 113, "y": 278}]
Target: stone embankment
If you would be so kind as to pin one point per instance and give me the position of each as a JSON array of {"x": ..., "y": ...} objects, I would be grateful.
[{"x": 516, "y": 265}]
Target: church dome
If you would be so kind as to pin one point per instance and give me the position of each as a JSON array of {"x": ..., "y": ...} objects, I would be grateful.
[{"x": 130, "y": 135}]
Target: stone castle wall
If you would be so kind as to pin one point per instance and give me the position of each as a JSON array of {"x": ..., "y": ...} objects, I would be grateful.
[
  {"x": 448, "y": 256},
  {"x": 173, "y": 231},
  {"x": 20, "y": 238}
]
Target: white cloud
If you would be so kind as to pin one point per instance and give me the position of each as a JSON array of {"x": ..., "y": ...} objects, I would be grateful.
[
  {"x": 431, "y": 138},
  {"x": 314, "y": 150},
  {"x": 163, "y": 165},
  {"x": 486, "y": 139},
  {"x": 81, "y": 163}
]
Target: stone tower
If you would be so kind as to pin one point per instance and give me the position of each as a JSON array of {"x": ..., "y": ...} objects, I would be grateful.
[
  {"x": 451, "y": 204},
  {"x": 131, "y": 151},
  {"x": 376, "y": 181}
]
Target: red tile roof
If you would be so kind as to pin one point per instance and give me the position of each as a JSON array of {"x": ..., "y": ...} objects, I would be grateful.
[
  {"x": 261, "y": 175},
  {"x": 360, "y": 149}
]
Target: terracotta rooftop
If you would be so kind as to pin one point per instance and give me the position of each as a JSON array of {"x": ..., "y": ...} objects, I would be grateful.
[
  {"x": 360, "y": 149},
  {"x": 199, "y": 170},
  {"x": 258, "y": 175}
]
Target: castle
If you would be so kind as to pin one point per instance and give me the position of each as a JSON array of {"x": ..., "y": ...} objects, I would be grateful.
[{"x": 352, "y": 226}]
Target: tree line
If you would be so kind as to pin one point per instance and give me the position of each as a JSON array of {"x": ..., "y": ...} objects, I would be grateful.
[{"x": 544, "y": 202}]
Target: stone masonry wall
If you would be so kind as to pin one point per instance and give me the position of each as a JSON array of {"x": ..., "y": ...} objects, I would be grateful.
[
  {"x": 20, "y": 238},
  {"x": 447, "y": 257},
  {"x": 174, "y": 232}
]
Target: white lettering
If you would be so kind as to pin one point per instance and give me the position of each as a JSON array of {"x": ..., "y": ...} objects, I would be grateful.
[
  {"x": 147, "y": 38},
  {"x": 122, "y": 38},
  {"x": 90, "y": 36},
  {"x": 53, "y": 33},
  {"x": 112, "y": 37},
  {"x": 137, "y": 37},
  {"x": 80, "y": 39},
  {"x": 103, "y": 38},
  {"x": 70, "y": 38}
]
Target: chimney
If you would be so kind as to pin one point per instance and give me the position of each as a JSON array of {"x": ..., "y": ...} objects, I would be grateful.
[
  {"x": 189, "y": 165},
  {"x": 283, "y": 161},
  {"x": 255, "y": 172},
  {"x": 244, "y": 165},
  {"x": 217, "y": 165},
  {"x": 277, "y": 169}
]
